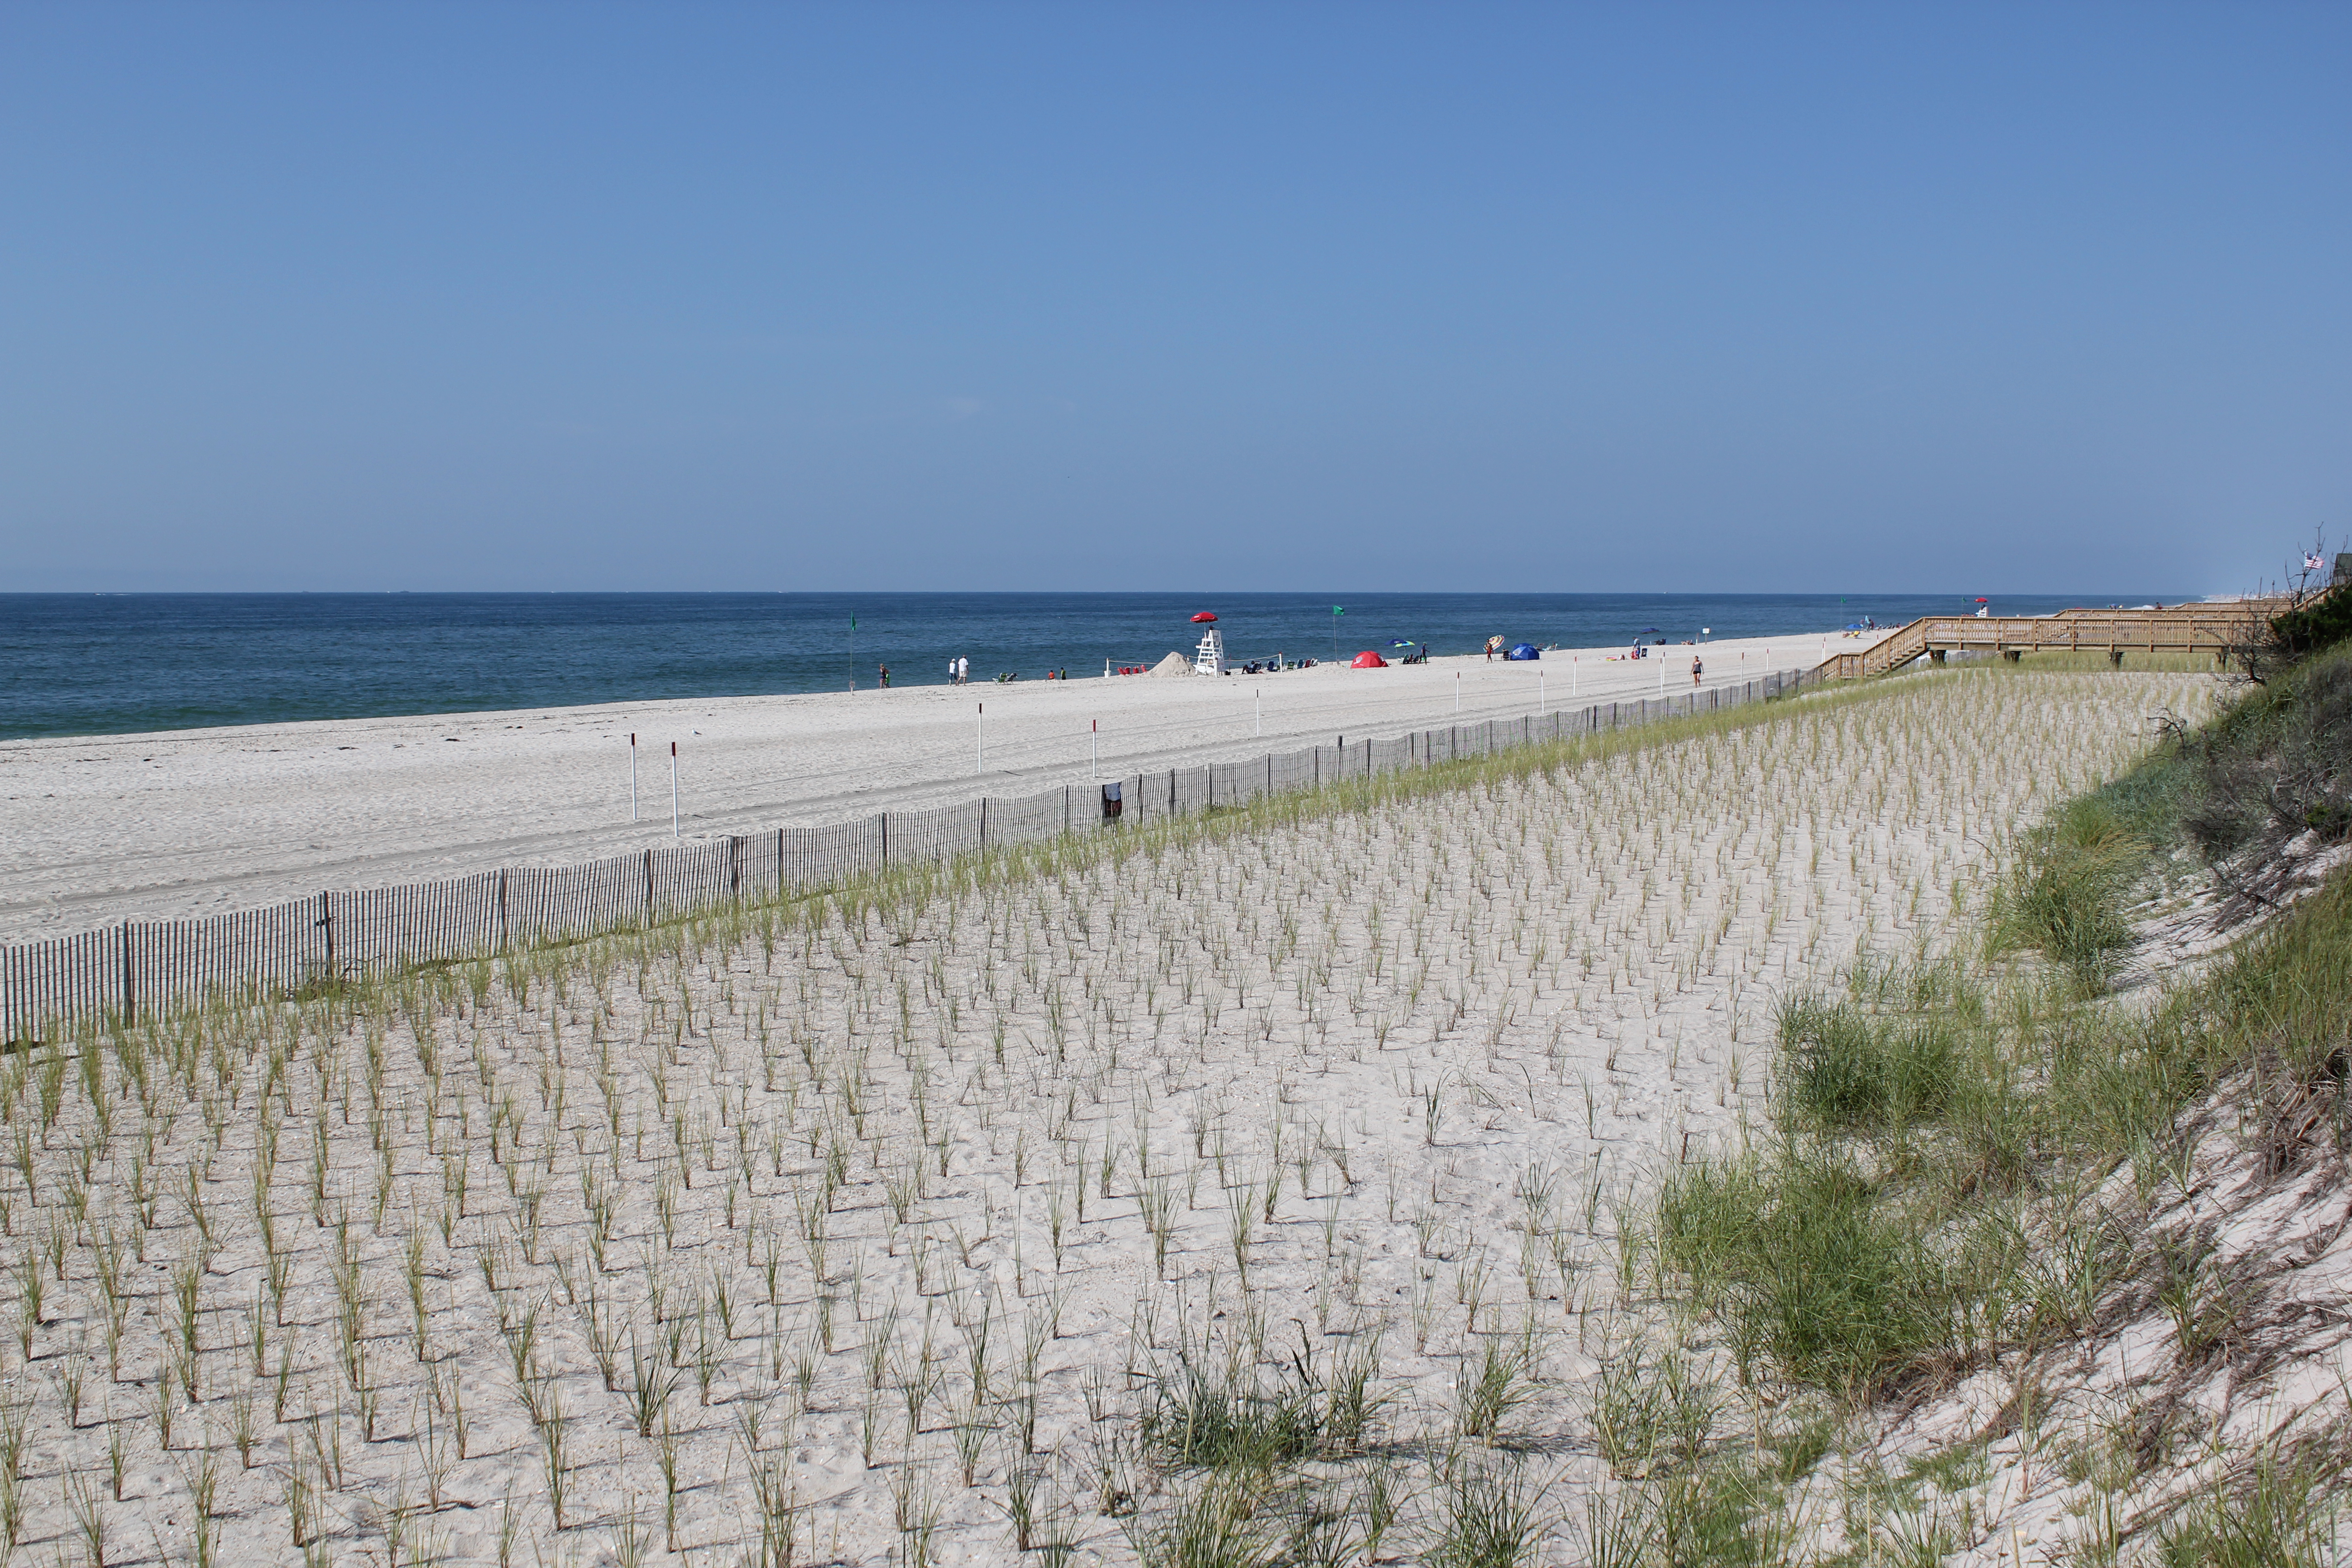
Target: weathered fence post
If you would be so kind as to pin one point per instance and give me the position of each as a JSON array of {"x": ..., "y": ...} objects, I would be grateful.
[
  {"x": 502, "y": 910},
  {"x": 649, "y": 887},
  {"x": 129, "y": 997}
]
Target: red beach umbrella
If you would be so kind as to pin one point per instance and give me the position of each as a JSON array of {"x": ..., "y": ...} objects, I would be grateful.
[{"x": 1205, "y": 615}]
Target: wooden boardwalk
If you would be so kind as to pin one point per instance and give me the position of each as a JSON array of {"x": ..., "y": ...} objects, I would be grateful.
[{"x": 2187, "y": 628}]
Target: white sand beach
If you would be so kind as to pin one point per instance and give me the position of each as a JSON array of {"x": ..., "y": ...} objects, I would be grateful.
[
  {"x": 866, "y": 1233},
  {"x": 109, "y": 827}
]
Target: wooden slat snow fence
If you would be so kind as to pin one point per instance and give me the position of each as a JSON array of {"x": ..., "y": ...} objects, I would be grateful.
[{"x": 135, "y": 968}]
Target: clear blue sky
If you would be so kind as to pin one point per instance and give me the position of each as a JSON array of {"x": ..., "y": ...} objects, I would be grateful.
[{"x": 1879, "y": 297}]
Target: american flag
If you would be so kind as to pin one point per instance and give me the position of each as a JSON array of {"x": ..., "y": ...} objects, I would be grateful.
[{"x": 2312, "y": 563}]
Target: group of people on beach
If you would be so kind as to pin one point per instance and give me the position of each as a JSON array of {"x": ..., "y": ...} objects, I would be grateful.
[{"x": 959, "y": 673}]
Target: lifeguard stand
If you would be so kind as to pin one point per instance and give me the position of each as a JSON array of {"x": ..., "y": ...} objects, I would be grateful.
[{"x": 1209, "y": 659}]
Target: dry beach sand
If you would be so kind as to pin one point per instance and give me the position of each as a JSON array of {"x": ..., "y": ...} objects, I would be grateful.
[
  {"x": 866, "y": 1230},
  {"x": 106, "y": 828}
]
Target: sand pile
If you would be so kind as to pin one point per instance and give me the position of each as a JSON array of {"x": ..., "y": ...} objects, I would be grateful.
[{"x": 1174, "y": 664}]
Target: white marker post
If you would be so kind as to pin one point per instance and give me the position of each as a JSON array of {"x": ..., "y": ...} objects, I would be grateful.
[
  {"x": 1257, "y": 696},
  {"x": 1457, "y": 691},
  {"x": 979, "y": 740},
  {"x": 632, "y": 776},
  {"x": 1094, "y": 750},
  {"x": 673, "y": 789},
  {"x": 1543, "y": 704},
  {"x": 1572, "y": 677}
]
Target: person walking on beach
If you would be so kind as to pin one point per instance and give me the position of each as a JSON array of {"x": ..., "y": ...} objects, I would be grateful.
[
  {"x": 963, "y": 671},
  {"x": 885, "y": 677},
  {"x": 1695, "y": 667}
]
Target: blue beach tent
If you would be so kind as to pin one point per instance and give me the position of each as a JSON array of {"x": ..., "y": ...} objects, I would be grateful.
[{"x": 1525, "y": 650}]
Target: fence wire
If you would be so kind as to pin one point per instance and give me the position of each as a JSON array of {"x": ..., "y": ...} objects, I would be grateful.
[{"x": 140, "y": 968}]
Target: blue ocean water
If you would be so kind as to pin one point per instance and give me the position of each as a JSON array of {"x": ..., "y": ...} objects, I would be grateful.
[{"x": 92, "y": 664}]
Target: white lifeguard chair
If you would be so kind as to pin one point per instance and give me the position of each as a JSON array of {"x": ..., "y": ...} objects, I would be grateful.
[{"x": 1209, "y": 659}]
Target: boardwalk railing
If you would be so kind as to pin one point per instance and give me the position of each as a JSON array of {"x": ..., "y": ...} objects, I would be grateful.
[
  {"x": 2186, "y": 629},
  {"x": 137, "y": 969}
]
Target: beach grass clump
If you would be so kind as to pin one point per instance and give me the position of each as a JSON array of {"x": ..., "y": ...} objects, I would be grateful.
[
  {"x": 1818, "y": 1276},
  {"x": 2281, "y": 1513},
  {"x": 2067, "y": 896},
  {"x": 1208, "y": 1411},
  {"x": 1849, "y": 1067}
]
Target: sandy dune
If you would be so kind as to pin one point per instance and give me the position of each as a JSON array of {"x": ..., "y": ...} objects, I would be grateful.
[
  {"x": 187, "y": 821},
  {"x": 869, "y": 1234}
]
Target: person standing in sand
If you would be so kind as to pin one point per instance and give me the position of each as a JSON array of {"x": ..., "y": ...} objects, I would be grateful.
[
  {"x": 963, "y": 671},
  {"x": 1695, "y": 667},
  {"x": 885, "y": 676}
]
